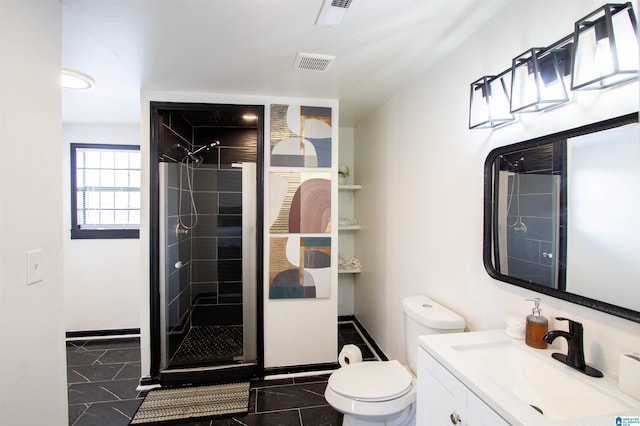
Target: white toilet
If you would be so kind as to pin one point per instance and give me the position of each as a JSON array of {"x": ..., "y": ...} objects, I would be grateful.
[{"x": 384, "y": 393}]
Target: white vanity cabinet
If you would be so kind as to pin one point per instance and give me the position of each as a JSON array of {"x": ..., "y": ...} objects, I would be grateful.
[{"x": 444, "y": 400}]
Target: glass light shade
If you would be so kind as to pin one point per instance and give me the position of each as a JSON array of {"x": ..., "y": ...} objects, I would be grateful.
[
  {"x": 75, "y": 80},
  {"x": 606, "y": 48},
  {"x": 537, "y": 81},
  {"x": 489, "y": 103}
]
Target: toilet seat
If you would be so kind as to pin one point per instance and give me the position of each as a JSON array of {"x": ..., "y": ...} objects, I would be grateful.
[{"x": 371, "y": 381}]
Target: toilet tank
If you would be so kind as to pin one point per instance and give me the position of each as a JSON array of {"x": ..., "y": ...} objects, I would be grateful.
[{"x": 425, "y": 316}]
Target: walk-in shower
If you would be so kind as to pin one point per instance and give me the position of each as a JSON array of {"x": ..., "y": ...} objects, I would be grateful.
[
  {"x": 205, "y": 293},
  {"x": 528, "y": 201},
  {"x": 518, "y": 226},
  {"x": 193, "y": 159}
]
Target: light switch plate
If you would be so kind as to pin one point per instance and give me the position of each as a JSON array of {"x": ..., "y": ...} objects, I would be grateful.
[{"x": 34, "y": 266}]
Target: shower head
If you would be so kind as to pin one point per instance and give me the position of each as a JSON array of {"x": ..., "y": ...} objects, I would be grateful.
[
  {"x": 192, "y": 155},
  {"x": 206, "y": 147},
  {"x": 514, "y": 167}
]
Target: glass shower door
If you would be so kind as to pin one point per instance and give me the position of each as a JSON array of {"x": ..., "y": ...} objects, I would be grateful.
[{"x": 208, "y": 264}]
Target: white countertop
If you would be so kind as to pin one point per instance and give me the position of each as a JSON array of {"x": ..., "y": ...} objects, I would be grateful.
[{"x": 513, "y": 409}]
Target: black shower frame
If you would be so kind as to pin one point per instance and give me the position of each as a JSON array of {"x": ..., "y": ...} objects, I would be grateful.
[{"x": 216, "y": 375}]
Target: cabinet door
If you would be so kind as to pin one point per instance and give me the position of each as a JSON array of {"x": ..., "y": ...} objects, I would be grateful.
[
  {"x": 441, "y": 397},
  {"x": 480, "y": 414}
]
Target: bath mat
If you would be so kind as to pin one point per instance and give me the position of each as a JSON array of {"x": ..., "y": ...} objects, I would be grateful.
[{"x": 166, "y": 406}]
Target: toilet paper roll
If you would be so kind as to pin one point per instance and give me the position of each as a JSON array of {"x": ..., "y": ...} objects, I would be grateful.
[{"x": 350, "y": 354}]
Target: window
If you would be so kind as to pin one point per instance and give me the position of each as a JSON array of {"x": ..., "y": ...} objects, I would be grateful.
[{"x": 105, "y": 191}]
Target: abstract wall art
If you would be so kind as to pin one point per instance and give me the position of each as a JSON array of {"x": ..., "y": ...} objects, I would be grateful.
[
  {"x": 300, "y": 136},
  {"x": 300, "y": 202},
  {"x": 300, "y": 267}
]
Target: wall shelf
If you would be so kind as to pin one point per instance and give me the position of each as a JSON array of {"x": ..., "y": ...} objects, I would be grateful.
[
  {"x": 349, "y": 187},
  {"x": 349, "y": 227}
]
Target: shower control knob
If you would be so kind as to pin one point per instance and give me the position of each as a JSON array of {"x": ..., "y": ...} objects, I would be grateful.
[
  {"x": 180, "y": 230},
  {"x": 547, "y": 255},
  {"x": 455, "y": 418}
]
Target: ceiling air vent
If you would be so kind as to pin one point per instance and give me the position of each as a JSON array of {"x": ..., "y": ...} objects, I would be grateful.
[
  {"x": 313, "y": 62},
  {"x": 341, "y": 3}
]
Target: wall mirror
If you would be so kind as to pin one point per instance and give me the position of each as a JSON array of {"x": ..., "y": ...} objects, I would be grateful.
[{"x": 561, "y": 215}]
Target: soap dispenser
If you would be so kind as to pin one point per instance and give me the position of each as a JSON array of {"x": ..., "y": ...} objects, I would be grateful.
[{"x": 537, "y": 326}]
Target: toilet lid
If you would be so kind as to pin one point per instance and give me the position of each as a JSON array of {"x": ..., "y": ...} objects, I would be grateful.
[{"x": 371, "y": 380}]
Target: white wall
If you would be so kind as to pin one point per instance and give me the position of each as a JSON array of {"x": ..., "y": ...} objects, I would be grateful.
[
  {"x": 101, "y": 277},
  {"x": 32, "y": 352},
  {"x": 296, "y": 332},
  {"x": 422, "y": 207}
]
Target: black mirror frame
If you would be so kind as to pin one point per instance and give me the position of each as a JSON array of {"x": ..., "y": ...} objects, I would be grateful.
[{"x": 608, "y": 308}]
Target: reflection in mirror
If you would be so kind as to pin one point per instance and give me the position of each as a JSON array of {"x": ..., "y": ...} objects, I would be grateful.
[
  {"x": 528, "y": 214},
  {"x": 560, "y": 215}
]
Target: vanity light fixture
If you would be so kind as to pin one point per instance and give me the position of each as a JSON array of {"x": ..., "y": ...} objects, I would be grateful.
[
  {"x": 601, "y": 52},
  {"x": 490, "y": 101},
  {"x": 536, "y": 81},
  {"x": 606, "y": 48},
  {"x": 249, "y": 117},
  {"x": 75, "y": 80}
]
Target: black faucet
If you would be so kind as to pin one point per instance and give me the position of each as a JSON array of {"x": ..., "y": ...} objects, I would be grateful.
[{"x": 575, "y": 354}]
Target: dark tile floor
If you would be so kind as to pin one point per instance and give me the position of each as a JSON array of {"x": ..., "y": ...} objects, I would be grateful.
[{"x": 103, "y": 375}]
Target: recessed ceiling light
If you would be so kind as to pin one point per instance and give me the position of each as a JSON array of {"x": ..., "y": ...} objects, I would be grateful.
[{"x": 75, "y": 80}]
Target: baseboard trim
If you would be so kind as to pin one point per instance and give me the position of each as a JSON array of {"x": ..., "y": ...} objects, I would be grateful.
[
  {"x": 367, "y": 336},
  {"x": 147, "y": 383},
  {"x": 346, "y": 318},
  {"x": 118, "y": 332},
  {"x": 297, "y": 369},
  {"x": 204, "y": 376}
]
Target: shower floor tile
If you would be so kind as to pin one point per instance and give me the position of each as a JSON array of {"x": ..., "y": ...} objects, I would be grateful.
[{"x": 209, "y": 345}]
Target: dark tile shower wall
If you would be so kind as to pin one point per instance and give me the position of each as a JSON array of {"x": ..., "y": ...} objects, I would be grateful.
[
  {"x": 216, "y": 288},
  {"x": 174, "y": 131},
  {"x": 538, "y": 202},
  {"x": 237, "y": 145}
]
